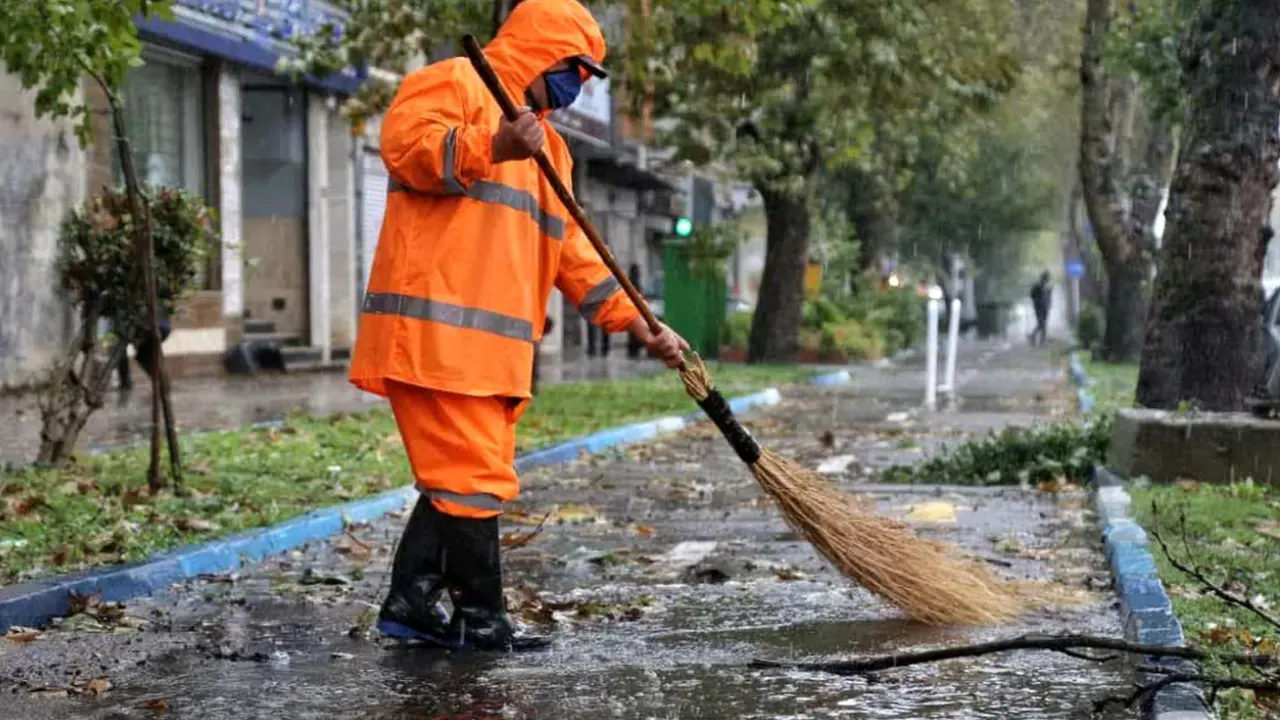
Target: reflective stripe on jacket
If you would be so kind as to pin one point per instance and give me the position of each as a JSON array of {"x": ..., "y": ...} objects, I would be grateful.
[{"x": 469, "y": 250}]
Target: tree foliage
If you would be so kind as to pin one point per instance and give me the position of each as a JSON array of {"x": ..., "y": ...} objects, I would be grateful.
[
  {"x": 389, "y": 37},
  {"x": 52, "y": 45},
  {"x": 782, "y": 91}
]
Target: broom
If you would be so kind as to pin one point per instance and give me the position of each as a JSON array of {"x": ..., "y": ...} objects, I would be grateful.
[{"x": 922, "y": 577}]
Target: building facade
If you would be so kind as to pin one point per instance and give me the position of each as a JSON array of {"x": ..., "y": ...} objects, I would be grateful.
[{"x": 205, "y": 112}]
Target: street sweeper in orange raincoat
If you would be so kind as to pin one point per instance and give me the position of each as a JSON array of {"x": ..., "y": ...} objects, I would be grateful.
[{"x": 473, "y": 242}]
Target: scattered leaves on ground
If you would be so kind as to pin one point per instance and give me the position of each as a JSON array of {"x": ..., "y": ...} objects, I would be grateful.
[
  {"x": 529, "y": 606},
  {"x": 53, "y": 521}
]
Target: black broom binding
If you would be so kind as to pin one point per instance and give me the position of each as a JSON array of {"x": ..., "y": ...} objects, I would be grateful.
[{"x": 718, "y": 410}]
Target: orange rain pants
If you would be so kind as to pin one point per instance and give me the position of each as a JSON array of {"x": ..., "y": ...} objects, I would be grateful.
[{"x": 459, "y": 441}]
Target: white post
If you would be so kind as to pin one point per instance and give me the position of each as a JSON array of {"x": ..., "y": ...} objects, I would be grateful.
[
  {"x": 318, "y": 235},
  {"x": 1075, "y": 302},
  {"x": 931, "y": 349},
  {"x": 953, "y": 339}
]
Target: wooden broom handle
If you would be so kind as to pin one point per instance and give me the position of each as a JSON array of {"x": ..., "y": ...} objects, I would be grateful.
[{"x": 481, "y": 64}]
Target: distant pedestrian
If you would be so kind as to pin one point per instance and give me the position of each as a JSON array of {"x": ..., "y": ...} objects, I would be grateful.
[
  {"x": 1041, "y": 300},
  {"x": 143, "y": 350}
]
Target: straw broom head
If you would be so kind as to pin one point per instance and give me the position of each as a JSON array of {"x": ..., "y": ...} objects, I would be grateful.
[{"x": 924, "y": 578}]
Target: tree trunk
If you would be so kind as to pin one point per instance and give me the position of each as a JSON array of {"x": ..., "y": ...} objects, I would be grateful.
[
  {"x": 1203, "y": 347},
  {"x": 146, "y": 252},
  {"x": 74, "y": 393},
  {"x": 1104, "y": 162},
  {"x": 872, "y": 210},
  {"x": 1125, "y": 309},
  {"x": 780, "y": 309}
]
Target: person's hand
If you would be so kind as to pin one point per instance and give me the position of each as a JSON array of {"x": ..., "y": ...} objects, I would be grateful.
[
  {"x": 666, "y": 345},
  {"x": 518, "y": 140}
]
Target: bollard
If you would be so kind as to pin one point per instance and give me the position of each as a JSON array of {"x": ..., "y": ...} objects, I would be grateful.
[
  {"x": 931, "y": 349},
  {"x": 953, "y": 339}
]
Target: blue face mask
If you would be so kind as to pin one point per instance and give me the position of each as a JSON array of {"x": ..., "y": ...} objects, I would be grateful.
[{"x": 562, "y": 88}]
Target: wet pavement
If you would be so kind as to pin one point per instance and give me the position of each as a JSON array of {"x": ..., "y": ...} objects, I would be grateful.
[
  {"x": 662, "y": 572},
  {"x": 223, "y": 403}
]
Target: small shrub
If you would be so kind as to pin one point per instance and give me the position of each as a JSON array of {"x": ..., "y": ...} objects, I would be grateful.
[
  {"x": 898, "y": 315},
  {"x": 99, "y": 271},
  {"x": 810, "y": 339},
  {"x": 854, "y": 340},
  {"x": 820, "y": 312},
  {"x": 1090, "y": 327},
  {"x": 737, "y": 329},
  {"x": 1016, "y": 455}
]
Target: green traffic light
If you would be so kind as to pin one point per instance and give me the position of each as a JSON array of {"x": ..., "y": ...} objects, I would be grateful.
[{"x": 684, "y": 226}]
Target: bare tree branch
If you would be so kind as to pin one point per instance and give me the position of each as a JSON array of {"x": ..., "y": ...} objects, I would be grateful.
[
  {"x": 1199, "y": 576},
  {"x": 1066, "y": 644}
]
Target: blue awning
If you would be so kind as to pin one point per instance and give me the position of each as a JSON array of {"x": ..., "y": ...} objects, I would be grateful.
[{"x": 250, "y": 47}]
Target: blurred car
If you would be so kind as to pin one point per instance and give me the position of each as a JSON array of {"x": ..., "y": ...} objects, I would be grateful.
[{"x": 1269, "y": 387}]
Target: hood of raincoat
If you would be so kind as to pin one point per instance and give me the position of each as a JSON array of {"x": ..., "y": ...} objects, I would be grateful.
[{"x": 538, "y": 34}]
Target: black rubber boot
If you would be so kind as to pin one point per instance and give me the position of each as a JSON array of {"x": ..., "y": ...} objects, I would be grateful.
[
  {"x": 473, "y": 571},
  {"x": 412, "y": 609}
]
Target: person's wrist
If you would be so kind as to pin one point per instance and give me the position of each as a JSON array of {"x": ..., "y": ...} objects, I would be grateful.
[{"x": 640, "y": 329}]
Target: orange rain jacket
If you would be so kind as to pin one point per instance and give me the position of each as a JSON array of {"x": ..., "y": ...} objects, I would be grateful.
[{"x": 469, "y": 249}]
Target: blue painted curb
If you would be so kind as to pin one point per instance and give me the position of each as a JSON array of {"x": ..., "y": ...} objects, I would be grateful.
[
  {"x": 1146, "y": 613},
  {"x": 1081, "y": 380},
  {"x": 33, "y": 604}
]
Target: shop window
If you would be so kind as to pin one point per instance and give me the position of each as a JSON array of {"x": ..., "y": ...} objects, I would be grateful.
[{"x": 164, "y": 107}]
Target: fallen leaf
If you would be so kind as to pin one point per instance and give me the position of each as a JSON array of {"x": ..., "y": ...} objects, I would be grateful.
[
  {"x": 311, "y": 576},
  {"x": 196, "y": 524},
  {"x": 575, "y": 513},
  {"x": 932, "y": 512},
  {"x": 157, "y": 705},
  {"x": 49, "y": 692},
  {"x": 787, "y": 574},
  {"x": 1050, "y": 486},
  {"x": 512, "y": 539},
  {"x": 23, "y": 634},
  {"x": 26, "y": 506},
  {"x": 835, "y": 465},
  {"x": 353, "y": 547},
  {"x": 81, "y": 602},
  {"x": 643, "y": 530}
]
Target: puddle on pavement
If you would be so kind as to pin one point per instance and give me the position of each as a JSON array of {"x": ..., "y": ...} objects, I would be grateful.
[{"x": 678, "y": 664}]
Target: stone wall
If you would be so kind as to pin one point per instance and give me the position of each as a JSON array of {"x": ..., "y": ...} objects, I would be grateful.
[{"x": 41, "y": 178}]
